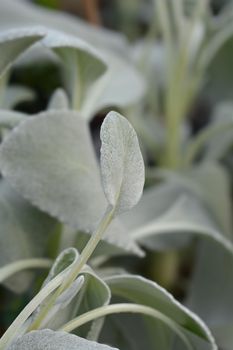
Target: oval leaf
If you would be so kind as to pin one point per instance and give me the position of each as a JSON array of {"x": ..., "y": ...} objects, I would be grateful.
[{"x": 122, "y": 166}]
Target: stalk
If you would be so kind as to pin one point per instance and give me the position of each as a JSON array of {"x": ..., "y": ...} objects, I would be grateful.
[
  {"x": 76, "y": 269},
  {"x": 125, "y": 308}
]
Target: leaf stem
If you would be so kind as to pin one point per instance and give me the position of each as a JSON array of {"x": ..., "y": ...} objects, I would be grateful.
[
  {"x": 77, "y": 267},
  {"x": 89, "y": 248},
  {"x": 125, "y": 308}
]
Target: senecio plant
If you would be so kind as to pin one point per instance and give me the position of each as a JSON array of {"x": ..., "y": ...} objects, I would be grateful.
[{"x": 64, "y": 212}]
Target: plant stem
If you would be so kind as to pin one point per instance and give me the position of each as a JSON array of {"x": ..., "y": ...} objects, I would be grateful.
[
  {"x": 77, "y": 267},
  {"x": 125, "y": 308},
  {"x": 89, "y": 248}
]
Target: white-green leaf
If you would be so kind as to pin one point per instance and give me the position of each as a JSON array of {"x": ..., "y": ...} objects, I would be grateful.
[
  {"x": 50, "y": 160},
  {"x": 122, "y": 166},
  {"x": 155, "y": 202},
  {"x": 136, "y": 289},
  {"x": 82, "y": 63},
  {"x": 14, "y": 42},
  {"x": 188, "y": 217},
  {"x": 47, "y": 339}
]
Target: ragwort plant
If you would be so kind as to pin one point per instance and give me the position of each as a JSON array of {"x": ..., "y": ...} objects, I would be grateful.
[{"x": 55, "y": 195}]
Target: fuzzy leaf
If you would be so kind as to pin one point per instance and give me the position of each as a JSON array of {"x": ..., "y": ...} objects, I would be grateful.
[
  {"x": 64, "y": 178},
  {"x": 47, "y": 339},
  {"x": 122, "y": 166}
]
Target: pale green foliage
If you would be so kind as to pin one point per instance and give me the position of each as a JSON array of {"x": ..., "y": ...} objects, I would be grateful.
[{"x": 54, "y": 194}]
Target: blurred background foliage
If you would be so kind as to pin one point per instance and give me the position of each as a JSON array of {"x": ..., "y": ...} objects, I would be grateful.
[{"x": 207, "y": 102}]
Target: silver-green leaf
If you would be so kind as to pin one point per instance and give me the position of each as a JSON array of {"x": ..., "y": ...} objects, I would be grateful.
[{"x": 122, "y": 166}]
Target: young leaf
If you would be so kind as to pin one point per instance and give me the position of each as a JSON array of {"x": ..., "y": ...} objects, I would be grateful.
[
  {"x": 122, "y": 166},
  {"x": 47, "y": 339},
  {"x": 14, "y": 42},
  {"x": 136, "y": 289}
]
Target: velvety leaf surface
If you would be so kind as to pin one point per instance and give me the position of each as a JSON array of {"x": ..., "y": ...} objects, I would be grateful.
[
  {"x": 50, "y": 160},
  {"x": 122, "y": 166}
]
